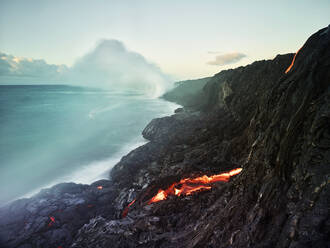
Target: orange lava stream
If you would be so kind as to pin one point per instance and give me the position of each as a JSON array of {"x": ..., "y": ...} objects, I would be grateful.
[
  {"x": 125, "y": 212},
  {"x": 188, "y": 186},
  {"x": 292, "y": 63},
  {"x": 52, "y": 220}
]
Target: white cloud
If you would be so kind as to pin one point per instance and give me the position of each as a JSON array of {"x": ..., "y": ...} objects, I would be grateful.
[
  {"x": 109, "y": 65},
  {"x": 13, "y": 69},
  {"x": 228, "y": 58}
]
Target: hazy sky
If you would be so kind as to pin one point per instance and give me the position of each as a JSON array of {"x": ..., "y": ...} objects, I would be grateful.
[{"x": 185, "y": 38}]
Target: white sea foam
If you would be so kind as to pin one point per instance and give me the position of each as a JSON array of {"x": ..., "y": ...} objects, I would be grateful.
[
  {"x": 94, "y": 171},
  {"x": 100, "y": 169}
]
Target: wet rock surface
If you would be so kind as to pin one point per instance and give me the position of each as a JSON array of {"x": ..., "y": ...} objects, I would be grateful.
[
  {"x": 276, "y": 126},
  {"x": 52, "y": 217}
]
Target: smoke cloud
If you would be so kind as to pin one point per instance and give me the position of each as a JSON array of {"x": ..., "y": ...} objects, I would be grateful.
[
  {"x": 226, "y": 59},
  {"x": 110, "y": 65}
]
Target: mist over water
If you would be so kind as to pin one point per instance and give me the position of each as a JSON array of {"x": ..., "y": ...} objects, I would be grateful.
[{"x": 51, "y": 134}]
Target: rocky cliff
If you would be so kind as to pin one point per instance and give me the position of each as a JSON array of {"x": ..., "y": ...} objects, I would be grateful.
[
  {"x": 272, "y": 124},
  {"x": 187, "y": 93}
]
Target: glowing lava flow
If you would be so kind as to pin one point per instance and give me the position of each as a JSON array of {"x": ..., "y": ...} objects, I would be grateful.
[
  {"x": 188, "y": 186},
  {"x": 294, "y": 58},
  {"x": 52, "y": 220},
  {"x": 125, "y": 212}
]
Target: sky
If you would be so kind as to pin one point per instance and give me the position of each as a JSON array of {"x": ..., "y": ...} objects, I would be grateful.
[{"x": 183, "y": 38}]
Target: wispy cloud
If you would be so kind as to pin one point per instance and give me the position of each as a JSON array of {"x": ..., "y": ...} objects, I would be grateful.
[{"x": 226, "y": 59}]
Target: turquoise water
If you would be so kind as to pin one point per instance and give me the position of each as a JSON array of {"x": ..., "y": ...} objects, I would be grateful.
[{"x": 51, "y": 134}]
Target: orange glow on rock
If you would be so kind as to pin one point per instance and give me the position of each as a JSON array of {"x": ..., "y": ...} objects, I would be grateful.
[
  {"x": 188, "y": 186},
  {"x": 125, "y": 212},
  {"x": 188, "y": 190},
  {"x": 235, "y": 172},
  {"x": 161, "y": 195},
  {"x": 100, "y": 187},
  {"x": 292, "y": 63},
  {"x": 52, "y": 220}
]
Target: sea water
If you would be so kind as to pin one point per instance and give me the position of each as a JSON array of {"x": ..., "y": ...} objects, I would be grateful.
[{"x": 57, "y": 133}]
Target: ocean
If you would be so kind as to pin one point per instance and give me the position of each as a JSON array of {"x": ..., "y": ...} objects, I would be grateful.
[{"x": 57, "y": 133}]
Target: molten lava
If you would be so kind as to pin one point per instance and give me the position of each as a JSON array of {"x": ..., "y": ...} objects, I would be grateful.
[
  {"x": 294, "y": 58},
  {"x": 52, "y": 220},
  {"x": 125, "y": 212},
  {"x": 188, "y": 186}
]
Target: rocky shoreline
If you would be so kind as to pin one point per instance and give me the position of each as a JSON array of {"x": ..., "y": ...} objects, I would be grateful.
[{"x": 274, "y": 125}]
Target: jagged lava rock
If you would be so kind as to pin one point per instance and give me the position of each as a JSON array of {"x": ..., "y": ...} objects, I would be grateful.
[{"x": 273, "y": 124}]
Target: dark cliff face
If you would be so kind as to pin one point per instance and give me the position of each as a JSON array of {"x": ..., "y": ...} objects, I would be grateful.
[
  {"x": 187, "y": 93},
  {"x": 275, "y": 125}
]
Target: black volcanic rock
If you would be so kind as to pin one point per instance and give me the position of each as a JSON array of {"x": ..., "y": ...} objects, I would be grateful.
[
  {"x": 187, "y": 93},
  {"x": 172, "y": 128},
  {"x": 52, "y": 217},
  {"x": 276, "y": 126}
]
